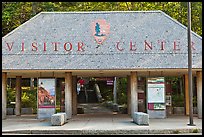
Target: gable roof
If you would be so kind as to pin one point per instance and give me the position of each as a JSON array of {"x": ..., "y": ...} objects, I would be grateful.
[{"x": 124, "y": 47}]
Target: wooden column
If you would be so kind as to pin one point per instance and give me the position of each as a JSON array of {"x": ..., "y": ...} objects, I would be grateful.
[
  {"x": 4, "y": 94},
  {"x": 133, "y": 88},
  {"x": 186, "y": 95},
  {"x": 68, "y": 94},
  {"x": 199, "y": 93},
  {"x": 128, "y": 96},
  {"x": 18, "y": 96},
  {"x": 74, "y": 95}
]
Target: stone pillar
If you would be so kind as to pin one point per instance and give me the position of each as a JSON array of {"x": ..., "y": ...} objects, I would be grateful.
[
  {"x": 4, "y": 94},
  {"x": 133, "y": 88},
  {"x": 186, "y": 95},
  {"x": 199, "y": 93},
  {"x": 18, "y": 96},
  {"x": 128, "y": 96},
  {"x": 68, "y": 94},
  {"x": 74, "y": 95}
]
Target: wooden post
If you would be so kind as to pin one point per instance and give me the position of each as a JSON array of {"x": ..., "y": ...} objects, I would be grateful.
[
  {"x": 134, "y": 98},
  {"x": 186, "y": 95},
  {"x": 18, "y": 96},
  {"x": 199, "y": 93},
  {"x": 68, "y": 94},
  {"x": 74, "y": 95},
  {"x": 4, "y": 94},
  {"x": 128, "y": 96}
]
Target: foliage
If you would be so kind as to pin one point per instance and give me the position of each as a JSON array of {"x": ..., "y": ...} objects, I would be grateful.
[
  {"x": 28, "y": 98},
  {"x": 106, "y": 91},
  {"x": 195, "y": 130},
  {"x": 58, "y": 109},
  {"x": 10, "y": 97},
  {"x": 16, "y": 13},
  {"x": 178, "y": 100},
  {"x": 122, "y": 91},
  {"x": 25, "y": 82},
  {"x": 58, "y": 95},
  {"x": 173, "y": 81},
  {"x": 176, "y": 131},
  {"x": 194, "y": 101}
]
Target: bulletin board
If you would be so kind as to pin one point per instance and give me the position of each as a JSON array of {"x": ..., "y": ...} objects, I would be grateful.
[{"x": 156, "y": 92}]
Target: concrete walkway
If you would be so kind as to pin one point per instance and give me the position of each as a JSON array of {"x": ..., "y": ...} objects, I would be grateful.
[
  {"x": 102, "y": 123},
  {"x": 98, "y": 120},
  {"x": 94, "y": 108}
]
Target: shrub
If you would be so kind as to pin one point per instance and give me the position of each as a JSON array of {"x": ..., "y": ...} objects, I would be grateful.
[
  {"x": 10, "y": 97},
  {"x": 28, "y": 98},
  {"x": 176, "y": 132},
  {"x": 195, "y": 130},
  {"x": 178, "y": 100}
]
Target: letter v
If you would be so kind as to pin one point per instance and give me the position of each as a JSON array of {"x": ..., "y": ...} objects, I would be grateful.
[{"x": 9, "y": 46}]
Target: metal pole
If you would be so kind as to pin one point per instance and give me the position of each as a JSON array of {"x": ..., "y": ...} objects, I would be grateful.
[{"x": 190, "y": 68}]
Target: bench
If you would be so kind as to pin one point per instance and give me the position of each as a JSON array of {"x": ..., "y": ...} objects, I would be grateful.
[
  {"x": 141, "y": 118},
  {"x": 58, "y": 119},
  {"x": 65, "y": 116}
]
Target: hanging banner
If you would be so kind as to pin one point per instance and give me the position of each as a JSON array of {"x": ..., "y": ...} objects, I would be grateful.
[{"x": 46, "y": 97}]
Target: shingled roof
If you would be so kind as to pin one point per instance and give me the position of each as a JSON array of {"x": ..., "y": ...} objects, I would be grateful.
[{"x": 124, "y": 46}]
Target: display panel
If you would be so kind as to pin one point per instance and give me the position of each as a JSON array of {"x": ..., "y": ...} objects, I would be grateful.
[
  {"x": 46, "y": 93},
  {"x": 156, "y": 92},
  {"x": 46, "y": 97}
]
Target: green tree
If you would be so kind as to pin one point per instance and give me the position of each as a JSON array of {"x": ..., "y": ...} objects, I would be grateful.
[{"x": 16, "y": 13}]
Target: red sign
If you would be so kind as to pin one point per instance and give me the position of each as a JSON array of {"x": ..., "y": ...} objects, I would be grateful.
[{"x": 81, "y": 47}]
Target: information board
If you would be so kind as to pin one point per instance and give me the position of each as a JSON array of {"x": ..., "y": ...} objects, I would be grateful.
[
  {"x": 155, "y": 90},
  {"x": 156, "y": 97},
  {"x": 46, "y": 97}
]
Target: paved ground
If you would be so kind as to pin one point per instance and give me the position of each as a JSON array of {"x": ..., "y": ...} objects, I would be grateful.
[
  {"x": 94, "y": 108},
  {"x": 96, "y": 123}
]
